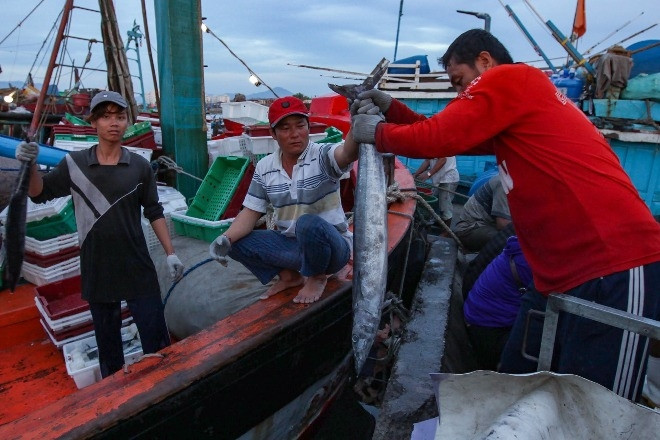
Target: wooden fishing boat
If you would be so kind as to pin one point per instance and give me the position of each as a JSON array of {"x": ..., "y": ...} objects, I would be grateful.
[{"x": 230, "y": 379}]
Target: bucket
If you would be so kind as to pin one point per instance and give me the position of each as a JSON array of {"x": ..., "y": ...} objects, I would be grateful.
[
  {"x": 80, "y": 99},
  {"x": 423, "y": 212}
]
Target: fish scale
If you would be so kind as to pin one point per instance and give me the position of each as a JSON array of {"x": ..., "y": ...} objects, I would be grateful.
[
  {"x": 15, "y": 227},
  {"x": 370, "y": 251}
]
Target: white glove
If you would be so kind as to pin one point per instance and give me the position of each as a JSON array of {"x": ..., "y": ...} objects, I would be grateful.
[
  {"x": 27, "y": 151},
  {"x": 220, "y": 248},
  {"x": 175, "y": 267},
  {"x": 368, "y": 100},
  {"x": 363, "y": 128}
]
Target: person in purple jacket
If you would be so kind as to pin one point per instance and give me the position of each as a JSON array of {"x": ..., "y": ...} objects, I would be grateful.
[{"x": 492, "y": 304}]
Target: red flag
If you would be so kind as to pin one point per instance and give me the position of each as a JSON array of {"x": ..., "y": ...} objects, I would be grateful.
[{"x": 580, "y": 21}]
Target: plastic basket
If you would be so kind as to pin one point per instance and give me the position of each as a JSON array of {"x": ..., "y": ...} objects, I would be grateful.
[
  {"x": 75, "y": 120},
  {"x": 75, "y": 137},
  {"x": 199, "y": 229},
  {"x": 246, "y": 112},
  {"x": 50, "y": 246},
  {"x": 62, "y": 298},
  {"x": 40, "y": 276},
  {"x": 218, "y": 187},
  {"x": 52, "y": 259},
  {"x": 39, "y": 211},
  {"x": 88, "y": 372},
  {"x": 332, "y": 136},
  {"x": 74, "y": 145},
  {"x": 172, "y": 200},
  {"x": 137, "y": 129},
  {"x": 52, "y": 226}
]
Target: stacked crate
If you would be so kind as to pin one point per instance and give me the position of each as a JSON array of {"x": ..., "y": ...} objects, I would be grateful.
[
  {"x": 202, "y": 220},
  {"x": 172, "y": 201},
  {"x": 51, "y": 242},
  {"x": 65, "y": 316},
  {"x": 74, "y": 134}
]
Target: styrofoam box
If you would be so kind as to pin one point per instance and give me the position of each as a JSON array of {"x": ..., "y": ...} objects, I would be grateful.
[
  {"x": 91, "y": 372},
  {"x": 39, "y": 211},
  {"x": 244, "y": 111}
]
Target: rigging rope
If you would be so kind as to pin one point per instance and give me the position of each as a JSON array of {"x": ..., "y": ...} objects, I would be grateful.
[
  {"x": 395, "y": 194},
  {"x": 50, "y": 36},
  {"x": 171, "y": 165},
  {"x": 21, "y": 22}
]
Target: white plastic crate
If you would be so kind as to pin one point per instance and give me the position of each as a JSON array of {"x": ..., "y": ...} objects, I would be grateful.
[
  {"x": 144, "y": 152},
  {"x": 172, "y": 200},
  {"x": 244, "y": 145},
  {"x": 40, "y": 276},
  {"x": 60, "y": 344},
  {"x": 73, "y": 145},
  {"x": 39, "y": 211},
  {"x": 71, "y": 321},
  {"x": 231, "y": 146},
  {"x": 52, "y": 245},
  {"x": 81, "y": 357},
  {"x": 83, "y": 145},
  {"x": 246, "y": 113}
]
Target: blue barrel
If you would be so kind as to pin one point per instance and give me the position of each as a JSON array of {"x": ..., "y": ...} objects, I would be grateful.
[
  {"x": 481, "y": 180},
  {"x": 570, "y": 85},
  {"x": 49, "y": 156}
]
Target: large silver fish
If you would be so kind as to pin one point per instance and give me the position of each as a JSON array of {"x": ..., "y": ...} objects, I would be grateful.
[
  {"x": 15, "y": 227},
  {"x": 369, "y": 234},
  {"x": 369, "y": 251}
]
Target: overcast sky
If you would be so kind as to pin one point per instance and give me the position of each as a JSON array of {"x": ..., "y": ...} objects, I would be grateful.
[{"x": 340, "y": 34}]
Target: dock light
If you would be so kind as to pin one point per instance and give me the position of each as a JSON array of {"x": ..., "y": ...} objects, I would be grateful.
[
  {"x": 255, "y": 80},
  {"x": 9, "y": 98}
]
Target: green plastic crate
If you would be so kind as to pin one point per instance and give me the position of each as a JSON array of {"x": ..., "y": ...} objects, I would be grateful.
[
  {"x": 61, "y": 223},
  {"x": 76, "y": 120},
  {"x": 333, "y": 136},
  {"x": 137, "y": 129},
  {"x": 197, "y": 228},
  {"x": 76, "y": 137},
  {"x": 218, "y": 187}
]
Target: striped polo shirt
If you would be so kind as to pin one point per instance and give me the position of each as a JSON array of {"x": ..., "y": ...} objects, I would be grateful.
[{"x": 313, "y": 188}]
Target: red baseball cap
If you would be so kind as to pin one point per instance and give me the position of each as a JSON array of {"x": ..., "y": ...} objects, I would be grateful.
[{"x": 283, "y": 107}]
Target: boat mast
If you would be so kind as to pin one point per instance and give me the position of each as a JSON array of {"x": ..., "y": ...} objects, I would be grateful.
[
  {"x": 34, "y": 125},
  {"x": 135, "y": 36},
  {"x": 564, "y": 41},
  {"x": 531, "y": 40},
  {"x": 396, "y": 43},
  {"x": 180, "y": 70}
]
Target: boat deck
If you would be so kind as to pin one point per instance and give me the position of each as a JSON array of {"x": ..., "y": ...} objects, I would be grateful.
[{"x": 27, "y": 354}]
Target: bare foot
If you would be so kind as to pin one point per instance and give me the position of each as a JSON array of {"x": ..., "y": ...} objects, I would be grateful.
[
  {"x": 288, "y": 278},
  {"x": 312, "y": 290}
]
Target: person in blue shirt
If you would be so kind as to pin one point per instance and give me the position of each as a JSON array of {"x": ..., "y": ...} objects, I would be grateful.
[{"x": 492, "y": 303}]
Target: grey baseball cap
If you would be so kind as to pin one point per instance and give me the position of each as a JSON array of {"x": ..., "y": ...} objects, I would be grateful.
[{"x": 108, "y": 96}]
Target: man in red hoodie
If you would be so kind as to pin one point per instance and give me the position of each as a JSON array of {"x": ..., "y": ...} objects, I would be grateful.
[{"x": 580, "y": 221}]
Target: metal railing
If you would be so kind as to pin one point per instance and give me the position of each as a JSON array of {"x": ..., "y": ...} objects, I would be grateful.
[{"x": 590, "y": 310}]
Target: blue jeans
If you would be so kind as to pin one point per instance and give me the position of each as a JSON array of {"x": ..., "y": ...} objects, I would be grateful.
[
  {"x": 317, "y": 248},
  {"x": 149, "y": 317}
]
